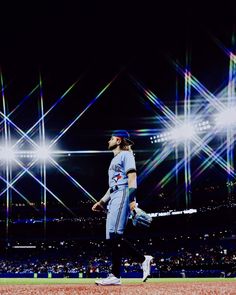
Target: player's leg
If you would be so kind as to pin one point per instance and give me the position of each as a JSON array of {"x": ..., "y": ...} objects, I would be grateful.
[
  {"x": 116, "y": 220},
  {"x": 120, "y": 212},
  {"x": 116, "y": 254},
  {"x": 119, "y": 217},
  {"x": 145, "y": 260},
  {"x": 129, "y": 250}
]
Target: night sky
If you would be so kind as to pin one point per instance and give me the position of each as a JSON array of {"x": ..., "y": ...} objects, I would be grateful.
[{"x": 93, "y": 42}]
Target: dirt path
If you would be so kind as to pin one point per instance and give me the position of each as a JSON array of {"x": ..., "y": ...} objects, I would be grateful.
[{"x": 216, "y": 288}]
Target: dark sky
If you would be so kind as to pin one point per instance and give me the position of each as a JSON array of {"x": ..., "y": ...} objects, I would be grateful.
[
  {"x": 70, "y": 36},
  {"x": 96, "y": 40}
]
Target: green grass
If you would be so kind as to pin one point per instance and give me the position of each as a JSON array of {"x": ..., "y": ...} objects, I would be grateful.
[{"x": 36, "y": 281}]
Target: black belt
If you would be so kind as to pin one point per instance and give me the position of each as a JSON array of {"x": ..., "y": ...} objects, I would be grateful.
[
  {"x": 113, "y": 189},
  {"x": 116, "y": 187}
]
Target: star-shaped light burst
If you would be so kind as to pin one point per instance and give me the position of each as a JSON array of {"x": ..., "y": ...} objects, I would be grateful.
[
  {"x": 40, "y": 153},
  {"x": 195, "y": 129}
]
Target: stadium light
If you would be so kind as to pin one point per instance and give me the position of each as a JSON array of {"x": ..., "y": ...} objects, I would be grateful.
[
  {"x": 226, "y": 118},
  {"x": 7, "y": 154},
  {"x": 43, "y": 153},
  {"x": 203, "y": 126},
  {"x": 186, "y": 131}
]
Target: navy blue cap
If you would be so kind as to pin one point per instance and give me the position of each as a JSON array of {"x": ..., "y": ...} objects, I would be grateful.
[{"x": 124, "y": 134}]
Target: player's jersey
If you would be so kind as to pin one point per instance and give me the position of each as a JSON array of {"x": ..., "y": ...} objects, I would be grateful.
[{"x": 120, "y": 165}]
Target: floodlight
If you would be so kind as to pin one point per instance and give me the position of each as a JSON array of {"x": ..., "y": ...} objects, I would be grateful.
[
  {"x": 7, "y": 154},
  {"x": 226, "y": 117},
  {"x": 186, "y": 131},
  {"x": 43, "y": 153}
]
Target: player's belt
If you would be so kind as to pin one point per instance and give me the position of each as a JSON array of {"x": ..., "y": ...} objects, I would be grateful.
[{"x": 115, "y": 188}]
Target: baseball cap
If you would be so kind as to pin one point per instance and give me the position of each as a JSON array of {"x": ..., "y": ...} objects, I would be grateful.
[{"x": 124, "y": 134}]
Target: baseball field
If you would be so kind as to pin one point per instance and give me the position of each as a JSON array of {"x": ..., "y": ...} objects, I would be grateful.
[{"x": 175, "y": 286}]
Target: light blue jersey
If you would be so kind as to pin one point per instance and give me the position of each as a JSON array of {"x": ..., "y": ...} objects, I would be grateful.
[
  {"x": 120, "y": 165},
  {"x": 118, "y": 206}
]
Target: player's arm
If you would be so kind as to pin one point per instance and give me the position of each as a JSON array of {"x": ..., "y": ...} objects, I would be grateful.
[
  {"x": 132, "y": 184},
  {"x": 100, "y": 205}
]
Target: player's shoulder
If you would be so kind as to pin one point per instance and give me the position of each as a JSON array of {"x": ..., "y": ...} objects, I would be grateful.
[{"x": 126, "y": 154}]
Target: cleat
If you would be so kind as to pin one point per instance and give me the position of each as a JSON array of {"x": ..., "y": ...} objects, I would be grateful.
[
  {"x": 146, "y": 266},
  {"x": 110, "y": 280}
]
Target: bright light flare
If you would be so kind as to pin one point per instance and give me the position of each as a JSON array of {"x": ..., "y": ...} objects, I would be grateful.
[
  {"x": 7, "y": 154},
  {"x": 43, "y": 153},
  {"x": 186, "y": 131},
  {"x": 226, "y": 117}
]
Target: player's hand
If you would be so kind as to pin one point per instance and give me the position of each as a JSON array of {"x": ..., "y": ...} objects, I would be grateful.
[
  {"x": 132, "y": 206},
  {"x": 140, "y": 218},
  {"x": 98, "y": 207}
]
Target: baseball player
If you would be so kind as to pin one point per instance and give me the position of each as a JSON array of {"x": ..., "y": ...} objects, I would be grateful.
[{"x": 120, "y": 200}]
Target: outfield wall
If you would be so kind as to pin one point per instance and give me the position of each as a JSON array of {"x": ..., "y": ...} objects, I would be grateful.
[{"x": 157, "y": 274}]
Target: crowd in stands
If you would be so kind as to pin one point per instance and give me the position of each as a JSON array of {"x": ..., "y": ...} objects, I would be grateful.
[
  {"x": 197, "y": 242},
  {"x": 90, "y": 257}
]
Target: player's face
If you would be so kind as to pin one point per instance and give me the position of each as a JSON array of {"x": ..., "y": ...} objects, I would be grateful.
[{"x": 113, "y": 143}]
